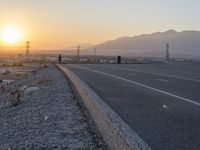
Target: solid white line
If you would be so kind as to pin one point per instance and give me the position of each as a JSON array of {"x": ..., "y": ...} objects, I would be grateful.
[
  {"x": 139, "y": 84},
  {"x": 163, "y": 80},
  {"x": 160, "y": 74}
]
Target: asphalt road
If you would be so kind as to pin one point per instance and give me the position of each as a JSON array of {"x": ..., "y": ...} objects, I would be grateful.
[{"x": 161, "y": 102}]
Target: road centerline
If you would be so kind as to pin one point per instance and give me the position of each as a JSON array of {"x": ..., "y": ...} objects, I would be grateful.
[
  {"x": 160, "y": 74},
  {"x": 163, "y": 80},
  {"x": 142, "y": 85}
]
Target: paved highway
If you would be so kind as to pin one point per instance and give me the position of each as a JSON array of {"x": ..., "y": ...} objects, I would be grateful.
[{"x": 161, "y": 102}]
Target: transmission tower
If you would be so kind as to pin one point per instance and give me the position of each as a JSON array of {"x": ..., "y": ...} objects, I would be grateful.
[{"x": 27, "y": 50}]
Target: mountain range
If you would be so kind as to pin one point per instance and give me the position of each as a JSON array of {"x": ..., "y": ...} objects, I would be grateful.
[{"x": 185, "y": 44}]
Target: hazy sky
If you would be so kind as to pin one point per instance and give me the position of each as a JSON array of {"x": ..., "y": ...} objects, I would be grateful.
[{"x": 62, "y": 23}]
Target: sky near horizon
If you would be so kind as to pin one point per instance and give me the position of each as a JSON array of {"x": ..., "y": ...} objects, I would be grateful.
[{"x": 63, "y": 23}]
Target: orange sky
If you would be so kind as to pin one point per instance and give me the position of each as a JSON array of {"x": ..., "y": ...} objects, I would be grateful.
[{"x": 64, "y": 23}]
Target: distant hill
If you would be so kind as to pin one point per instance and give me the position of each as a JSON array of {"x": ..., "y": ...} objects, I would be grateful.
[{"x": 182, "y": 44}]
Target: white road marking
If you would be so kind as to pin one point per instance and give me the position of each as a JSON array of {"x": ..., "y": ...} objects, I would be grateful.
[
  {"x": 163, "y": 80},
  {"x": 142, "y": 85},
  {"x": 160, "y": 74}
]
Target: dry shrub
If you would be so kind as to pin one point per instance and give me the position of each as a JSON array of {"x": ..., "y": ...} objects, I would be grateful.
[
  {"x": 43, "y": 81},
  {"x": 15, "y": 97},
  {"x": 6, "y": 72},
  {"x": 17, "y": 64},
  {"x": 45, "y": 66}
]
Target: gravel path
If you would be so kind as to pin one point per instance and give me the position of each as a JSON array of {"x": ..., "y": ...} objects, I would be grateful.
[{"x": 45, "y": 118}]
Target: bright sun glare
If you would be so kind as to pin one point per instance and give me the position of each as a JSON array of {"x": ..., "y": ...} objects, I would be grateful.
[{"x": 11, "y": 35}]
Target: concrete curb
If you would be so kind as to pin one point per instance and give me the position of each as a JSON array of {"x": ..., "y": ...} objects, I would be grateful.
[{"x": 116, "y": 133}]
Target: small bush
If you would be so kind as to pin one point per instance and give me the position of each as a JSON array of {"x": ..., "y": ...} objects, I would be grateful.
[
  {"x": 17, "y": 64},
  {"x": 18, "y": 74},
  {"x": 6, "y": 72},
  {"x": 15, "y": 97}
]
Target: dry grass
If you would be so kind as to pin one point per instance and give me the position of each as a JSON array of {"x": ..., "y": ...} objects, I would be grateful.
[{"x": 44, "y": 81}]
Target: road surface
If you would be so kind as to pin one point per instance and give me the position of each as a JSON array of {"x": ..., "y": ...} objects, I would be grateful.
[{"x": 161, "y": 102}]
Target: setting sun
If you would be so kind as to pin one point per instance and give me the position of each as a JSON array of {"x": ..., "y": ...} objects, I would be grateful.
[{"x": 11, "y": 35}]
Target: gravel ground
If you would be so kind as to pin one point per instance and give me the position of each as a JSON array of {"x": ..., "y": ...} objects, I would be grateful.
[{"x": 45, "y": 118}]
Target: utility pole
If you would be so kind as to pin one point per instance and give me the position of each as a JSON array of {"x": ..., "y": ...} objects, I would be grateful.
[
  {"x": 94, "y": 51},
  {"x": 78, "y": 51},
  {"x": 78, "y": 54},
  {"x": 94, "y": 54},
  {"x": 27, "y": 50},
  {"x": 167, "y": 52}
]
